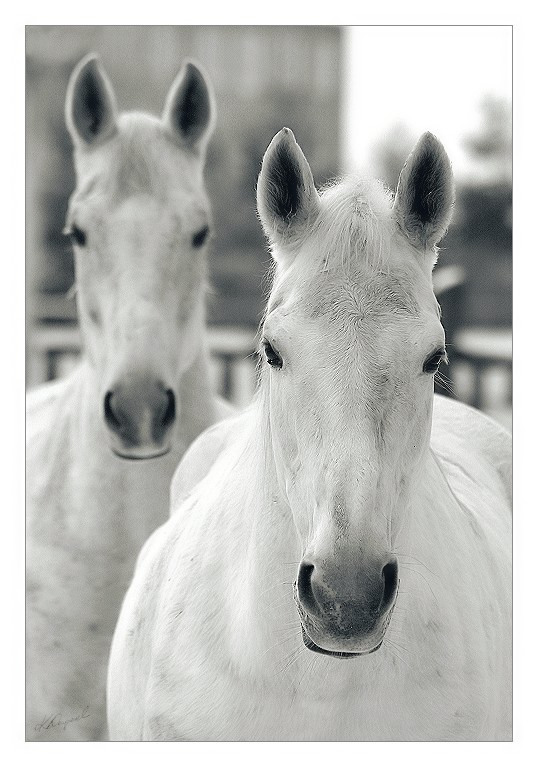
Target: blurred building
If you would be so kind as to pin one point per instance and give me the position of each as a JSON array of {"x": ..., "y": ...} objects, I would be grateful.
[{"x": 264, "y": 78}]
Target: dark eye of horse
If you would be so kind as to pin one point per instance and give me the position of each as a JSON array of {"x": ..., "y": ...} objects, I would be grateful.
[
  {"x": 200, "y": 237},
  {"x": 272, "y": 357},
  {"x": 77, "y": 235},
  {"x": 431, "y": 365}
]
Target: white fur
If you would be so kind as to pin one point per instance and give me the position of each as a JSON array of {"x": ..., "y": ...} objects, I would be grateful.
[
  {"x": 139, "y": 197},
  {"x": 208, "y": 645}
]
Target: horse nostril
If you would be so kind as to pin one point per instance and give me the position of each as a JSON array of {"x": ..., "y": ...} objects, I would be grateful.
[
  {"x": 169, "y": 414},
  {"x": 390, "y": 578},
  {"x": 110, "y": 417},
  {"x": 304, "y": 585}
]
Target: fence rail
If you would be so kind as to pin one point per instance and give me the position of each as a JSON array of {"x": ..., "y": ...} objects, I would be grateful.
[{"x": 53, "y": 350}]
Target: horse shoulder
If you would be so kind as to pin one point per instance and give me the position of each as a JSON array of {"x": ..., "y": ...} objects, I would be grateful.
[
  {"x": 465, "y": 436},
  {"x": 49, "y": 410},
  {"x": 224, "y": 409},
  {"x": 150, "y": 612},
  {"x": 200, "y": 457},
  {"x": 42, "y": 406},
  {"x": 131, "y": 650},
  {"x": 157, "y": 620}
]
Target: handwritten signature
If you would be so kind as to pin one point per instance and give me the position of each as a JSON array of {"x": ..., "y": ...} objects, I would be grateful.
[{"x": 56, "y": 720}]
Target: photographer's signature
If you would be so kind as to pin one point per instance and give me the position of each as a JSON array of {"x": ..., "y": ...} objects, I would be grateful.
[{"x": 56, "y": 720}]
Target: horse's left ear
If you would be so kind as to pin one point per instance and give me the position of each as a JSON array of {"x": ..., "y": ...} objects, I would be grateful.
[
  {"x": 189, "y": 112},
  {"x": 425, "y": 195},
  {"x": 287, "y": 197}
]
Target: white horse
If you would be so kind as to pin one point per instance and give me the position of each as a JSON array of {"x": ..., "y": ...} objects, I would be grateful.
[
  {"x": 343, "y": 570},
  {"x": 140, "y": 223}
]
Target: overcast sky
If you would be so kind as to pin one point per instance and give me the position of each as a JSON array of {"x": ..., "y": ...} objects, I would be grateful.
[{"x": 429, "y": 78}]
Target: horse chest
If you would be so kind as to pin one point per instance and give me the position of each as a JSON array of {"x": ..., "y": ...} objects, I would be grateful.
[
  {"x": 72, "y": 602},
  {"x": 85, "y": 531},
  {"x": 221, "y": 707},
  {"x": 435, "y": 688}
]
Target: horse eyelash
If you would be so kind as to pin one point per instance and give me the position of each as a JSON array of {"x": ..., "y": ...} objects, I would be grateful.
[
  {"x": 200, "y": 237},
  {"x": 441, "y": 354},
  {"x": 272, "y": 357}
]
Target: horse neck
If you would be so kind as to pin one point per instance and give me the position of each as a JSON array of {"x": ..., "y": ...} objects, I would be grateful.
[{"x": 264, "y": 549}]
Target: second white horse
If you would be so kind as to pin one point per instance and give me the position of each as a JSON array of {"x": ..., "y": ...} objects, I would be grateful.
[{"x": 140, "y": 224}]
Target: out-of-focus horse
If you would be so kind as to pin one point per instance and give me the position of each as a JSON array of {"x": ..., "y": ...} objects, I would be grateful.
[
  {"x": 343, "y": 570},
  {"x": 140, "y": 224}
]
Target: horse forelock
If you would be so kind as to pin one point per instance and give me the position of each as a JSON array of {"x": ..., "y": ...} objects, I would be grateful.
[
  {"x": 354, "y": 225},
  {"x": 135, "y": 169},
  {"x": 138, "y": 165}
]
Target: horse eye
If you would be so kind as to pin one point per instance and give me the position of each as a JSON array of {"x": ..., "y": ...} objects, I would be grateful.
[
  {"x": 431, "y": 365},
  {"x": 200, "y": 237},
  {"x": 272, "y": 357},
  {"x": 77, "y": 235}
]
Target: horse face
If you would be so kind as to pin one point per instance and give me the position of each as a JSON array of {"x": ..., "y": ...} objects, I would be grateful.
[
  {"x": 140, "y": 225},
  {"x": 350, "y": 420},
  {"x": 352, "y": 339}
]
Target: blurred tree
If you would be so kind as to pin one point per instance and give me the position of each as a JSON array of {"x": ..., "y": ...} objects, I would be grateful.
[
  {"x": 481, "y": 236},
  {"x": 488, "y": 195},
  {"x": 391, "y": 152},
  {"x": 492, "y": 145}
]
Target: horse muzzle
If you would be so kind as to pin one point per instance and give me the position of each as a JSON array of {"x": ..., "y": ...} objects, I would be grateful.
[
  {"x": 342, "y": 623},
  {"x": 139, "y": 415}
]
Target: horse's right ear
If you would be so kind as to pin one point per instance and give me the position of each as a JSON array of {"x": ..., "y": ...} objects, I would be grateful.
[
  {"x": 90, "y": 105},
  {"x": 189, "y": 112},
  {"x": 286, "y": 194},
  {"x": 425, "y": 195}
]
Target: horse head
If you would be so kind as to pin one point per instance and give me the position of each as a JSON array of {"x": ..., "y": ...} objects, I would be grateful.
[
  {"x": 352, "y": 339},
  {"x": 140, "y": 223}
]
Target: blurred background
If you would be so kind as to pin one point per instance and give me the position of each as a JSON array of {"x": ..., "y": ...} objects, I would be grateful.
[{"x": 357, "y": 99}]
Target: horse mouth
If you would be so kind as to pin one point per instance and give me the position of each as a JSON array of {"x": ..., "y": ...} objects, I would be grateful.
[
  {"x": 314, "y": 647},
  {"x": 140, "y": 455},
  {"x": 310, "y": 645}
]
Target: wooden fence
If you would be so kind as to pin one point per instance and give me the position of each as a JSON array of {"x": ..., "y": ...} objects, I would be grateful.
[{"x": 53, "y": 350}]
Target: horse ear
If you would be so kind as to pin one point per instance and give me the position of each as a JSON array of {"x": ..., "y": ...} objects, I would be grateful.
[
  {"x": 425, "y": 195},
  {"x": 189, "y": 112},
  {"x": 90, "y": 105},
  {"x": 286, "y": 194}
]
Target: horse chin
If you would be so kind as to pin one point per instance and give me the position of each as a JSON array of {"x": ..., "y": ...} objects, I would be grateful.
[{"x": 344, "y": 654}]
